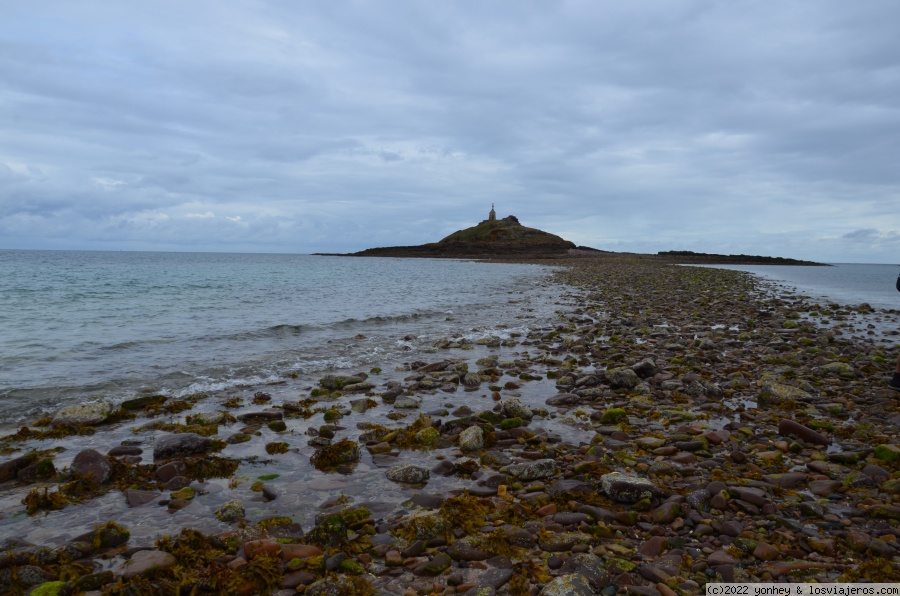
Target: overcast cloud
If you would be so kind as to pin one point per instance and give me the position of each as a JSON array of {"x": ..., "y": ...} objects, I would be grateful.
[{"x": 715, "y": 126}]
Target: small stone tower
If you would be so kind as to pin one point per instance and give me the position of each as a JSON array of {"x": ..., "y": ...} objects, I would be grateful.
[{"x": 492, "y": 216}]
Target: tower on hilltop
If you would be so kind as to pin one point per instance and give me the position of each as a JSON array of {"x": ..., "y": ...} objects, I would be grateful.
[{"x": 492, "y": 216}]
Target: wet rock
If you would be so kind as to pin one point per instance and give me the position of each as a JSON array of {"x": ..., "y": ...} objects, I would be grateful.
[
  {"x": 471, "y": 439},
  {"x": 653, "y": 547},
  {"x": 148, "y": 563},
  {"x": 790, "y": 428},
  {"x": 461, "y": 551},
  {"x": 408, "y": 474},
  {"x": 622, "y": 378},
  {"x": 91, "y": 464},
  {"x": 86, "y": 414},
  {"x": 341, "y": 453},
  {"x": 786, "y": 480},
  {"x": 443, "y": 468},
  {"x": 408, "y": 402},
  {"x": 628, "y": 489},
  {"x": 181, "y": 444},
  {"x": 766, "y": 552},
  {"x": 573, "y": 584},
  {"x": 563, "y": 399},
  {"x": 337, "y": 382},
  {"x": 262, "y": 416},
  {"x": 645, "y": 369},
  {"x": 10, "y": 469},
  {"x": 170, "y": 470},
  {"x": 120, "y": 450},
  {"x": 230, "y": 511},
  {"x": 542, "y": 468},
  {"x": 514, "y": 408},
  {"x": 136, "y": 498},
  {"x": 142, "y": 403}
]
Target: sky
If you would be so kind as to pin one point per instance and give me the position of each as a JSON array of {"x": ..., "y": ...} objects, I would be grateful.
[{"x": 733, "y": 127}]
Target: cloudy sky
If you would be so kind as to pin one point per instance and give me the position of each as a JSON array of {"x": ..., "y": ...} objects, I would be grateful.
[{"x": 277, "y": 126}]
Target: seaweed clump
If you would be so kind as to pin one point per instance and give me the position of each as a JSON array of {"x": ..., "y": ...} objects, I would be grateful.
[
  {"x": 348, "y": 530},
  {"x": 200, "y": 568}
]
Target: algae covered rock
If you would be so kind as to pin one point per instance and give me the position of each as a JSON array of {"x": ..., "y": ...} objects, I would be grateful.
[
  {"x": 408, "y": 474},
  {"x": 573, "y": 584},
  {"x": 177, "y": 445},
  {"x": 534, "y": 470},
  {"x": 336, "y": 382},
  {"x": 471, "y": 439},
  {"x": 628, "y": 489},
  {"x": 623, "y": 378},
  {"x": 514, "y": 408},
  {"x": 84, "y": 414},
  {"x": 230, "y": 511},
  {"x": 331, "y": 456}
]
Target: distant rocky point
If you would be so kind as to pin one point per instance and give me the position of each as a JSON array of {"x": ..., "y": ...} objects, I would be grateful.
[{"x": 688, "y": 257}]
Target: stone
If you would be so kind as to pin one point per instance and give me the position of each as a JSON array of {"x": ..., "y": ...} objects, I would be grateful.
[
  {"x": 338, "y": 382},
  {"x": 148, "y": 563},
  {"x": 720, "y": 557},
  {"x": 563, "y": 399},
  {"x": 181, "y": 444},
  {"x": 590, "y": 566},
  {"x": 766, "y": 552},
  {"x": 299, "y": 551},
  {"x": 136, "y": 498},
  {"x": 573, "y": 584},
  {"x": 535, "y": 470},
  {"x": 789, "y": 428},
  {"x": 92, "y": 464},
  {"x": 622, "y": 378},
  {"x": 514, "y": 408},
  {"x": 230, "y": 511},
  {"x": 86, "y": 414},
  {"x": 408, "y": 474},
  {"x": 331, "y": 456},
  {"x": 170, "y": 470},
  {"x": 471, "y": 439},
  {"x": 628, "y": 489},
  {"x": 408, "y": 402},
  {"x": 120, "y": 450},
  {"x": 653, "y": 547},
  {"x": 460, "y": 551},
  {"x": 208, "y": 418}
]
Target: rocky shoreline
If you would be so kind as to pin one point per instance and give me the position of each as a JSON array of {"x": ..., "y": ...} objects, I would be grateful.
[{"x": 675, "y": 426}]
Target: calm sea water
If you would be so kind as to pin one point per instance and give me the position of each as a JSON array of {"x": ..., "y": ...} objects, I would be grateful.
[
  {"x": 843, "y": 283},
  {"x": 74, "y": 325}
]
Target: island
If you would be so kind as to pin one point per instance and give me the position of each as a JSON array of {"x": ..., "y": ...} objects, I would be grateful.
[{"x": 507, "y": 239}]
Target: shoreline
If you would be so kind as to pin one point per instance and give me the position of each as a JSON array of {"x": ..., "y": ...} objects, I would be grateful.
[{"x": 751, "y": 444}]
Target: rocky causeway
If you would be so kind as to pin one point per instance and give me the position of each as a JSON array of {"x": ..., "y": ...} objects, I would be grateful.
[{"x": 672, "y": 426}]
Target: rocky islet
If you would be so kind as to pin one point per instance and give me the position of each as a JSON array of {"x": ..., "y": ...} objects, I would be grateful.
[{"x": 675, "y": 426}]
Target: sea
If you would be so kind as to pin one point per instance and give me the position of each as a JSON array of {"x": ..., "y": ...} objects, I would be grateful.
[
  {"x": 846, "y": 284},
  {"x": 75, "y": 326}
]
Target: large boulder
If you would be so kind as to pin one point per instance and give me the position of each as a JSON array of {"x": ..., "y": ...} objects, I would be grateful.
[
  {"x": 408, "y": 474},
  {"x": 628, "y": 489},
  {"x": 92, "y": 464},
  {"x": 181, "y": 444},
  {"x": 84, "y": 414},
  {"x": 533, "y": 470},
  {"x": 514, "y": 408},
  {"x": 471, "y": 439}
]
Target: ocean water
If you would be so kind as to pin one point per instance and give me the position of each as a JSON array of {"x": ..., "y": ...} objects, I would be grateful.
[
  {"x": 77, "y": 325},
  {"x": 847, "y": 284}
]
